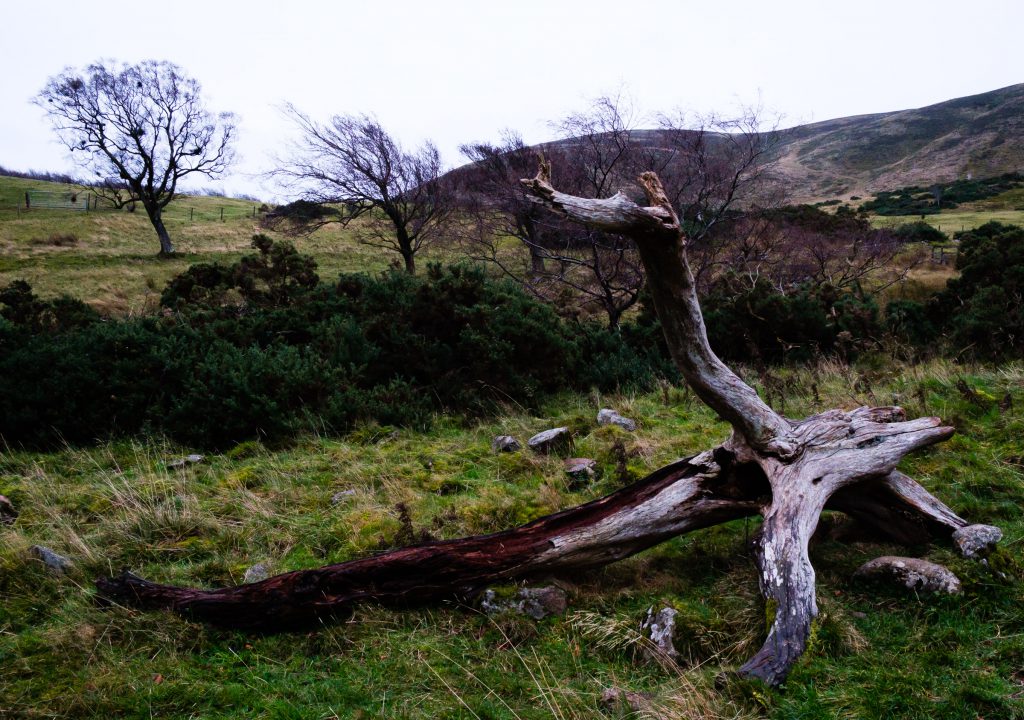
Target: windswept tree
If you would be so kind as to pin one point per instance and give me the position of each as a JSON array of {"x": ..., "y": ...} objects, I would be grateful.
[
  {"x": 353, "y": 167},
  {"x": 139, "y": 129}
]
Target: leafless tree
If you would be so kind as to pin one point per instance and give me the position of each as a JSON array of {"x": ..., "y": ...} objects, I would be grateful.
[
  {"x": 787, "y": 471},
  {"x": 712, "y": 166},
  {"x": 351, "y": 163},
  {"x": 602, "y": 270},
  {"x": 799, "y": 246},
  {"x": 140, "y": 129}
]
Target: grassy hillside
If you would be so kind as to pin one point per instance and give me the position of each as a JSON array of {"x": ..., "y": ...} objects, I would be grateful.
[
  {"x": 878, "y": 652},
  {"x": 110, "y": 257},
  {"x": 978, "y": 135}
]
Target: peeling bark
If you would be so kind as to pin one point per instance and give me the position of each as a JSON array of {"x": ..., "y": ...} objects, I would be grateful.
[{"x": 684, "y": 496}]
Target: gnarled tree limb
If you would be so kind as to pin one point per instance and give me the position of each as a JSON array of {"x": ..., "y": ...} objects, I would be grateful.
[{"x": 787, "y": 471}]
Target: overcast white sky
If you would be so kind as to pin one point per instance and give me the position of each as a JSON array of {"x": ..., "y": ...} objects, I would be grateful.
[{"x": 457, "y": 71}]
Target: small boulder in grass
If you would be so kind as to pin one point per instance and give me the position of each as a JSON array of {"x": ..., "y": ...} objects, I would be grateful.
[
  {"x": 53, "y": 561},
  {"x": 341, "y": 496},
  {"x": 7, "y": 512},
  {"x": 257, "y": 573},
  {"x": 615, "y": 698},
  {"x": 659, "y": 627},
  {"x": 537, "y": 603},
  {"x": 607, "y": 416},
  {"x": 555, "y": 440},
  {"x": 977, "y": 541},
  {"x": 581, "y": 472},
  {"x": 912, "y": 573},
  {"x": 185, "y": 461},
  {"x": 505, "y": 443}
]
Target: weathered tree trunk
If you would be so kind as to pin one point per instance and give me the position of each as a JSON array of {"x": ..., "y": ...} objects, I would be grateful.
[
  {"x": 156, "y": 217},
  {"x": 786, "y": 471}
]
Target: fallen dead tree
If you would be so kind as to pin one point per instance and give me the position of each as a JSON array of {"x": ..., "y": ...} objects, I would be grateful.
[{"x": 786, "y": 471}]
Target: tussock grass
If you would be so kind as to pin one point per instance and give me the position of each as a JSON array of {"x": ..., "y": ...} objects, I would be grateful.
[{"x": 876, "y": 653}]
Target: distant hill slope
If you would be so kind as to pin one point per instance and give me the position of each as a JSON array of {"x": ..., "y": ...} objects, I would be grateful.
[{"x": 980, "y": 135}]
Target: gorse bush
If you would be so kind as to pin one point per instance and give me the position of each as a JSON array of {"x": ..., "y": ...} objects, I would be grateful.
[
  {"x": 759, "y": 323},
  {"x": 262, "y": 349},
  {"x": 985, "y": 305}
]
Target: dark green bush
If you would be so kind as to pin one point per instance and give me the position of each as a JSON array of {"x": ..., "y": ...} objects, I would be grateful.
[
  {"x": 255, "y": 350},
  {"x": 919, "y": 232},
  {"x": 759, "y": 323},
  {"x": 984, "y": 305},
  {"x": 26, "y": 312}
]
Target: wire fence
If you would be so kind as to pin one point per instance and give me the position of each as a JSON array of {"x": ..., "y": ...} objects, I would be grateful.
[{"x": 180, "y": 210}]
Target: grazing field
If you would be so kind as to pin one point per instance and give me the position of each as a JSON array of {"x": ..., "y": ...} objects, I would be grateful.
[
  {"x": 877, "y": 653},
  {"x": 109, "y": 257},
  {"x": 1005, "y": 208}
]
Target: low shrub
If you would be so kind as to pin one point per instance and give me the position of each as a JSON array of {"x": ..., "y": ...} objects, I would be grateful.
[{"x": 260, "y": 349}]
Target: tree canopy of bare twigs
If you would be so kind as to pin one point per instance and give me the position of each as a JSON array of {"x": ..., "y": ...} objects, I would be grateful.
[
  {"x": 139, "y": 129},
  {"x": 352, "y": 164},
  {"x": 710, "y": 165}
]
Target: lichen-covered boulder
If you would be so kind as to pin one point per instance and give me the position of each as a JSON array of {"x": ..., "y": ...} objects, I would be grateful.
[{"x": 911, "y": 573}]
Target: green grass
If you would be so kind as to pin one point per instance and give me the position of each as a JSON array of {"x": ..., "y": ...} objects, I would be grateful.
[
  {"x": 112, "y": 258},
  {"x": 877, "y": 653},
  {"x": 1007, "y": 207}
]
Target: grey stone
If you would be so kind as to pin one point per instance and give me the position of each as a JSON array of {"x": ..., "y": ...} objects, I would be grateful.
[
  {"x": 537, "y": 603},
  {"x": 659, "y": 627},
  {"x": 54, "y": 562},
  {"x": 607, "y": 416},
  {"x": 551, "y": 441},
  {"x": 614, "y": 698},
  {"x": 505, "y": 443},
  {"x": 912, "y": 573},
  {"x": 341, "y": 496},
  {"x": 977, "y": 541},
  {"x": 187, "y": 460},
  {"x": 258, "y": 572},
  {"x": 7, "y": 512},
  {"x": 580, "y": 471}
]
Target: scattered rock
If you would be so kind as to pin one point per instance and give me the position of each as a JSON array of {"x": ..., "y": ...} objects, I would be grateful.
[
  {"x": 614, "y": 698},
  {"x": 54, "y": 562},
  {"x": 537, "y": 603},
  {"x": 977, "y": 541},
  {"x": 258, "y": 572},
  {"x": 551, "y": 441},
  {"x": 580, "y": 471},
  {"x": 607, "y": 416},
  {"x": 659, "y": 627},
  {"x": 341, "y": 496},
  {"x": 7, "y": 512},
  {"x": 911, "y": 573},
  {"x": 505, "y": 443},
  {"x": 187, "y": 460}
]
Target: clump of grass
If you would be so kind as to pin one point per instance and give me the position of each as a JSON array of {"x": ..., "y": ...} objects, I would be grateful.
[{"x": 56, "y": 240}]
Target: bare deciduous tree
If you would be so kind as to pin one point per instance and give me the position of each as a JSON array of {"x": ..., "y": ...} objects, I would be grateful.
[
  {"x": 710, "y": 164},
  {"x": 140, "y": 129},
  {"x": 786, "y": 471},
  {"x": 352, "y": 163}
]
